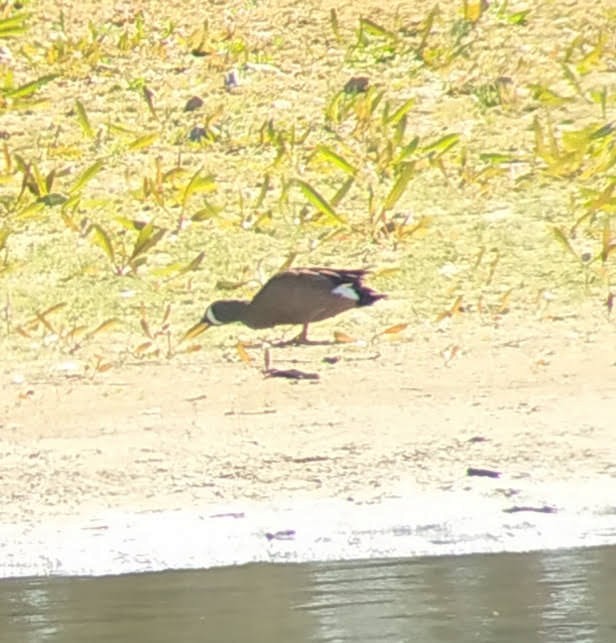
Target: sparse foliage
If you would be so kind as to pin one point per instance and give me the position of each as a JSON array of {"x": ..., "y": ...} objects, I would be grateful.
[{"x": 430, "y": 138}]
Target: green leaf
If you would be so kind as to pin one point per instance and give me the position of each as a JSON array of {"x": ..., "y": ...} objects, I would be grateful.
[
  {"x": 548, "y": 97},
  {"x": 143, "y": 141},
  {"x": 576, "y": 140},
  {"x": 195, "y": 263},
  {"x": 13, "y": 26},
  {"x": 198, "y": 184},
  {"x": 442, "y": 145},
  {"x": 426, "y": 29},
  {"x": 401, "y": 112},
  {"x": 265, "y": 186},
  {"x": 371, "y": 28},
  {"x": 148, "y": 237},
  {"x": 116, "y": 128},
  {"x": 398, "y": 135},
  {"x": 333, "y": 21},
  {"x": 86, "y": 176},
  {"x": 608, "y": 243},
  {"x": 207, "y": 212},
  {"x": 30, "y": 88},
  {"x": 518, "y": 17},
  {"x": 342, "y": 191},
  {"x": 495, "y": 158},
  {"x": 49, "y": 179},
  {"x": 570, "y": 76},
  {"x": 4, "y": 235},
  {"x": 72, "y": 203},
  {"x": 39, "y": 184},
  {"x": 318, "y": 201},
  {"x": 102, "y": 240},
  {"x": 130, "y": 224},
  {"x": 399, "y": 186},
  {"x": 31, "y": 210},
  {"x": 287, "y": 263},
  {"x": 407, "y": 150},
  {"x": 599, "y": 96},
  {"x": 602, "y": 200},
  {"x": 541, "y": 149},
  {"x": 328, "y": 154},
  {"x": 83, "y": 120},
  {"x": 562, "y": 238},
  {"x": 604, "y": 131},
  {"x": 595, "y": 56}
]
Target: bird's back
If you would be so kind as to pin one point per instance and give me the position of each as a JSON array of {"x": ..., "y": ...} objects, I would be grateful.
[{"x": 304, "y": 295}]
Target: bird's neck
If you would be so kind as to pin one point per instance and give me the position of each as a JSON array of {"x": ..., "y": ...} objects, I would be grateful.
[{"x": 226, "y": 312}]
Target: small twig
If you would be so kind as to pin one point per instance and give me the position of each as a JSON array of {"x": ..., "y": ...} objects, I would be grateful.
[
  {"x": 545, "y": 509},
  {"x": 263, "y": 412},
  {"x": 484, "y": 473},
  {"x": 290, "y": 374}
]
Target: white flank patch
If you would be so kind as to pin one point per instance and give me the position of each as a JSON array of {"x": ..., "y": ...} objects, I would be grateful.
[
  {"x": 346, "y": 290},
  {"x": 211, "y": 318}
]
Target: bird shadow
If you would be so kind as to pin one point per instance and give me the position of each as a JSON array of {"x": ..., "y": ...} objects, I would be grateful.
[{"x": 297, "y": 341}]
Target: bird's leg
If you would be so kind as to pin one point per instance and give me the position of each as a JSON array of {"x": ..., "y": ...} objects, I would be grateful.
[{"x": 302, "y": 338}]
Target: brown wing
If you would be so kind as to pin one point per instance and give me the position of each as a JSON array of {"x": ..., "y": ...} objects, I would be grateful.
[
  {"x": 298, "y": 297},
  {"x": 344, "y": 277}
]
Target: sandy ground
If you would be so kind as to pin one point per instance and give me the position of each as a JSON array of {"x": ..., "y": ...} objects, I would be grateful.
[
  {"x": 382, "y": 421},
  {"x": 531, "y": 395}
]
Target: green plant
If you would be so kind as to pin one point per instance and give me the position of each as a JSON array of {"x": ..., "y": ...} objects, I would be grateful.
[{"x": 125, "y": 259}]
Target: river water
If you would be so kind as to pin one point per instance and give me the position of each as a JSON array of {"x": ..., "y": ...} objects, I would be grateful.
[
  {"x": 539, "y": 597},
  {"x": 535, "y": 567}
]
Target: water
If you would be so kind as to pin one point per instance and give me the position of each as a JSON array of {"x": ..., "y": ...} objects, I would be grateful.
[{"x": 540, "y": 597}]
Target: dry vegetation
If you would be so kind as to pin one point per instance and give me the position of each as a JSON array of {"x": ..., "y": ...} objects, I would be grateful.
[{"x": 464, "y": 152}]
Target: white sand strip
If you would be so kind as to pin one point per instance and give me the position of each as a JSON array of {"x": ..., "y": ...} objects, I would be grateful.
[{"x": 424, "y": 524}]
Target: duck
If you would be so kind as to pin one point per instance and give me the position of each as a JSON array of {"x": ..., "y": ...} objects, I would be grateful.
[{"x": 296, "y": 296}]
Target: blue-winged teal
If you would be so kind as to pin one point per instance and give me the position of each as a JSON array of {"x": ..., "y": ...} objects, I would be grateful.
[{"x": 297, "y": 296}]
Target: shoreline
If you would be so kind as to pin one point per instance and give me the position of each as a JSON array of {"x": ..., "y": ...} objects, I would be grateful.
[
  {"x": 427, "y": 524},
  {"x": 107, "y": 463}
]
